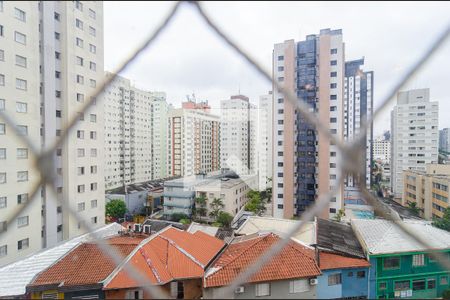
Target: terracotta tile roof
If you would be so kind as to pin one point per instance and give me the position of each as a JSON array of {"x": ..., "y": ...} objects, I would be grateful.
[
  {"x": 87, "y": 264},
  {"x": 168, "y": 255},
  {"x": 329, "y": 261},
  {"x": 294, "y": 261}
]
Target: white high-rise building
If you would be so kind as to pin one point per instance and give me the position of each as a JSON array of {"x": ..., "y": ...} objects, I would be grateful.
[
  {"x": 444, "y": 140},
  {"x": 414, "y": 135},
  {"x": 382, "y": 150},
  {"x": 238, "y": 135},
  {"x": 51, "y": 59},
  {"x": 134, "y": 133},
  {"x": 193, "y": 140},
  {"x": 264, "y": 149}
]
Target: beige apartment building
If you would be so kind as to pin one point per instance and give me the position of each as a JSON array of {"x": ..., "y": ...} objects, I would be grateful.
[
  {"x": 51, "y": 60},
  {"x": 429, "y": 189}
]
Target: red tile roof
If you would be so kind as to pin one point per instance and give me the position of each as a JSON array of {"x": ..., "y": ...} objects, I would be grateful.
[
  {"x": 168, "y": 255},
  {"x": 86, "y": 264},
  {"x": 329, "y": 261},
  {"x": 293, "y": 261}
]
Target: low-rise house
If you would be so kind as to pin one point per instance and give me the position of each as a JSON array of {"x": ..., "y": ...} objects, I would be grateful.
[
  {"x": 173, "y": 259},
  {"x": 345, "y": 269},
  {"x": 401, "y": 267},
  {"x": 16, "y": 276},
  {"x": 292, "y": 273}
]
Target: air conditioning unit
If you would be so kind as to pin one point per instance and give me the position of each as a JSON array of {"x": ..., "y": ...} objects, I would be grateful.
[
  {"x": 147, "y": 229},
  {"x": 137, "y": 227},
  {"x": 239, "y": 290},
  {"x": 313, "y": 281}
]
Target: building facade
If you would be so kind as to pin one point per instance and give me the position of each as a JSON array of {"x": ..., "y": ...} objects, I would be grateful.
[
  {"x": 414, "y": 140},
  {"x": 444, "y": 140},
  {"x": 193, "y": 140},
  {"x": 264, "y": 142},
  {"x": 358, "y": 108},
  {"x": 238, "y": 135},
  {"x": 61, "y": 65},
  {"x": 382, "y": 150},
  {"x": 429, "y": 189},
  {"x": 135, "y": 138},
  {"x": 305, "y": 164}
]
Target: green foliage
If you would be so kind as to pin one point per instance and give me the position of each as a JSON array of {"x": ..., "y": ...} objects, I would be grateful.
[
  {"x": 255, "y": 203},
  {"x": 225, "y": 219},
  {"x": 116, "y": 208},
  {"x": 339, "y": 215},
  {"x": 446, "y": 294},
  {"x": 176, "y": 217},
  {"x": 185, "y": 221},
  {"x": 216, "y": 206},
  {"x": 199, "y": 209},
  {"x": 444, "y": 222},
  {"x": 413, "y": 208}
]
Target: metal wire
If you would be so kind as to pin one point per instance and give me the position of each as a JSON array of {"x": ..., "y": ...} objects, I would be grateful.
[{"x": 44, "y": 163}]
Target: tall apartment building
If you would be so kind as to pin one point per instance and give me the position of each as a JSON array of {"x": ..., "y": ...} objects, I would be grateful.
[
  {"x": 382, "y": 150},
  {"x": 414, "y": 139},
  {"x": 358, "y": 108},
  {"x": 264, "y": 149},
  {"x": 238, "y": 135},
  {"x": 429, "y": 189},
  {"x": 444, "y": 140},
  {"x": 305, "y": 163},
  {"x": 51, "y": 58},
  {"x": 193, "y": 140},
  {"x": 135, "y": 133}
]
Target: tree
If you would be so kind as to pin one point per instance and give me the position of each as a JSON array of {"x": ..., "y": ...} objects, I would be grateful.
[
  {"x": 199, "y": 209},
  {"x": 216, "y": 206},
  {"x": 339, "y": 215},
  {"x": 225, "y": 219},
  {"x": 444, "y": 222},
  {"x": 176, "y": 217},
  {"x": 116, "y": 208},
  {"x": 413, "y": 208},
  {"x": 255, "y": 203}
]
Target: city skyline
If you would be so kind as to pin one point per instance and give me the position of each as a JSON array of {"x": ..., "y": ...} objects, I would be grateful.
[{"x": 180, "y": 71}]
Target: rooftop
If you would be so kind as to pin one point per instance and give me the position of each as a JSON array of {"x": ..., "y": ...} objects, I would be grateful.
[
  {"x": 168, "y": 255},
  {"x": 158, "y": 225},
  {"x": 16, "y": 276},
  {"x": 255, "y": 224},
  {"x": 384, "y": 237},
  {"x": 330, "y": 261},
  {"x": 152, "y": 185},
  {"x": 338, "y": 237},
  {"x": 293, "y": 261}
]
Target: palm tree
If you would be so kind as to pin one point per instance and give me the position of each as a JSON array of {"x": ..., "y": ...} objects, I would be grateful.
[
  {"x": 216, "y": 206},
  {"x": 199, "y": 207}
]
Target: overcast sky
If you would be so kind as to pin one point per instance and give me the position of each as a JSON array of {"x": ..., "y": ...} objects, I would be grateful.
[{"x": 189, "y": 58}]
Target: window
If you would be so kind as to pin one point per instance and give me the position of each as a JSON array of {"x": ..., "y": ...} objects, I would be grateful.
[
  {"x": 431, "y": 284},
  {"x": 361, "y": 274},
  {"x": 1, "y": 30},
  {"x": 93, "y": 66},
  {"x": 281, "y": 68},
  {"x": 80, "y": 170},
  {"x": 80, "y": 188},
  {"x": 298, "y": 286},
  {"x": 93, "y": 203},
  {"x": 391, "y": 263},
  {"x": 22, "y": 198},
  {"x": 58, "y": 114},
  {"x": 23, "y": 130},
  {"x": 92, "y": 31},
  {"x": 334, "y": 279},
  {"x": 19, "y": 14},
  {"x": 93, "y": 135},
  {"x": 333, "y": 74},
  {"x": 2, "y": 128},
  {"x": 3, "y": 250},
  {"x": 333, "y": 120},
  {"x": 2, "y": 177},
  {"x": 23, "y": 244},
  {"x": 22, "y": 153},
  {"x": 21, "y": 107},
  {"x": 79, "y": 61},
  {"x": 93, "y": 152},
  {"x": 401, "y": 285},
  {"x": 79, "y": 42},
  {"x": 333, "y": 62},
  {"x": 92, "y": 14},
  {"x": 21, "y": 84},
  {"x": 81, "y": 206},
  {"x": 280, "y": 57},
  {"x": 262, "y": 289},
  {"x": 80, "y": 134},
  {"x": 22, "y": 221},
  {"x": 80, "y": 152},
  {"x": 22, "y": 176},
  {"x": 59, "y": 228},
  {"x": 2, "y": 55},
  {"x": 80, "y": 97},
  {"x": 79, "y": 5},
  {"x": 333, "y": 97},
  {"x": 2, "y": 80},
  {"x": 418, "y": 260},
  {"x": 333, "y": 210},
  {"x": 92, "y": 83},
  {"x": 57, "y": 74},
  {"x": 418, "y": 285},
  {"x": 80, "y": 79},
  {"x": 57, "y": 16},
  {"x": 93, "y": 118},
  {"x": 57, "y": 35},
  {"x": 3, "y": 202},
  {"x": 333, "y": 51},
  {"x": 443, "y": 280},
  {"x": 57, "y": 55},
  {"x": 93, "y": 186},
  {"x": 333, "y": 85},
  {"x": 21, "y": 61},
  {"x": 382, "y": 286},
  {"x": 92, "y": 48},
  {"x": 20, "y": 38},
  {"x": 2, "y": 153},
  {"x": 79, "y": 24},
  {"x": 58, "y": 94},
  {"x": 94, "y": 220},
  {"x": 58, "y": 152}
]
